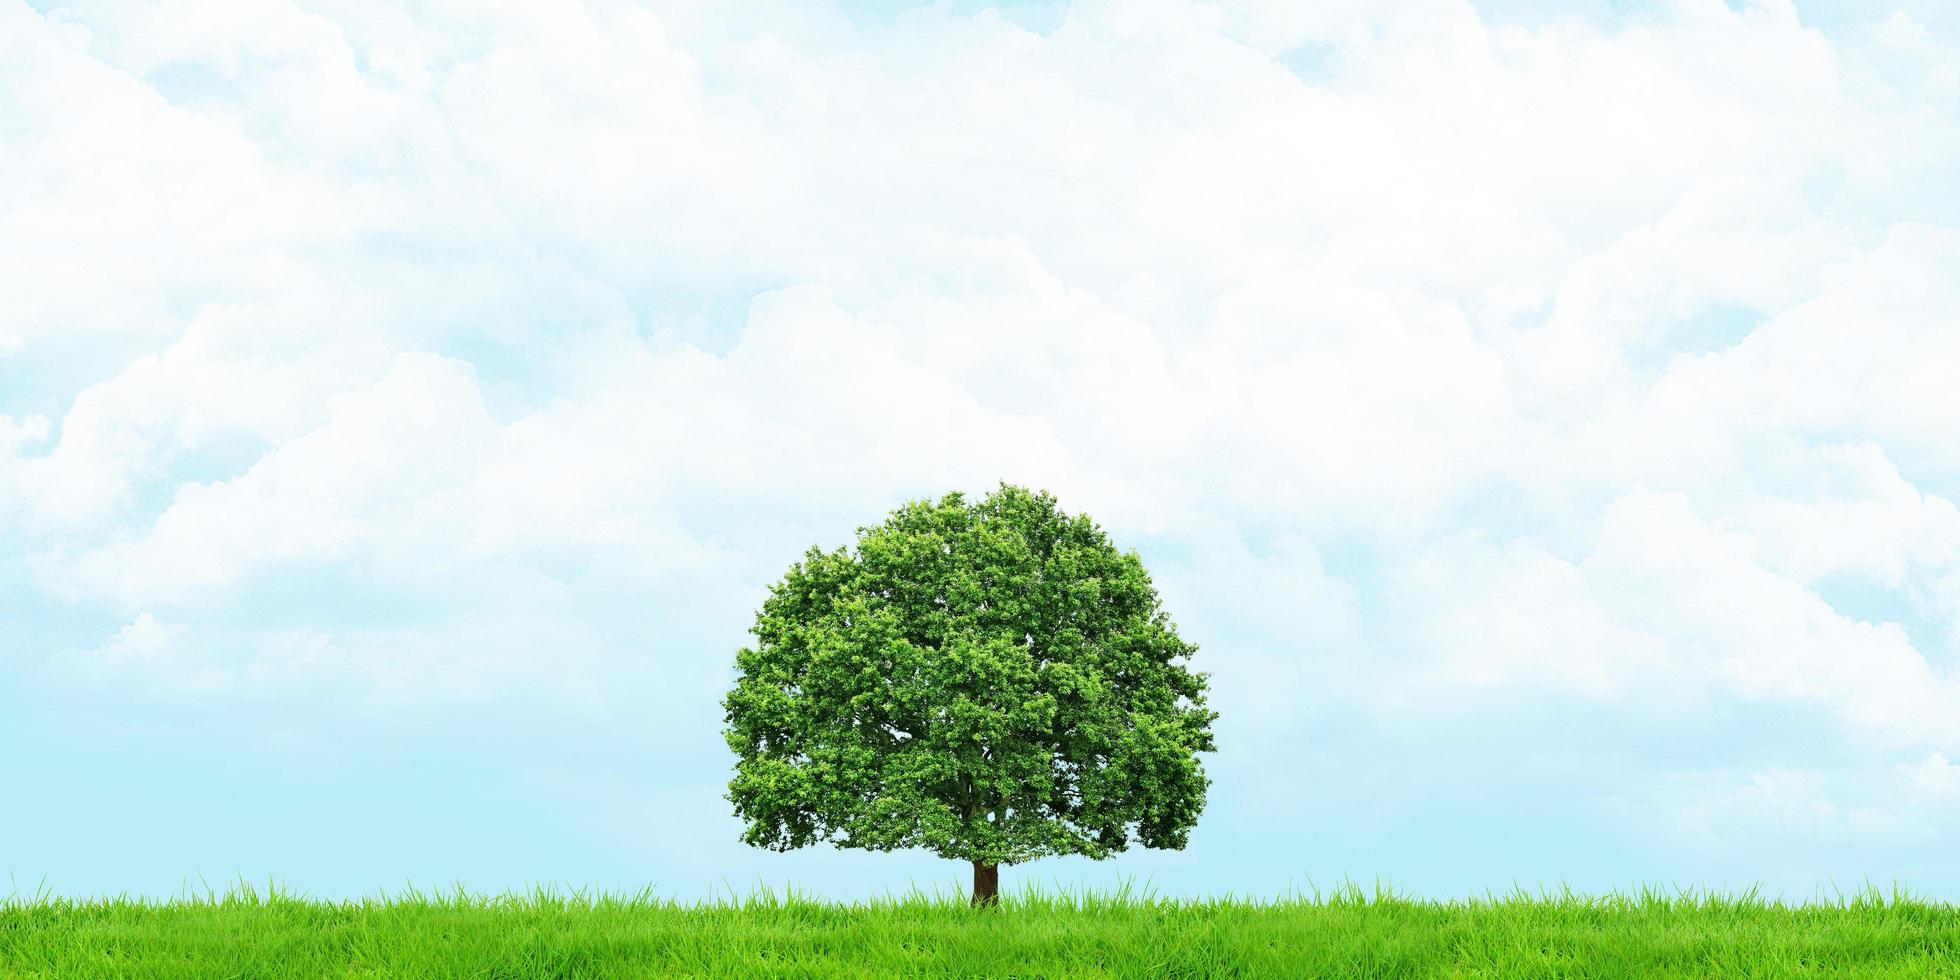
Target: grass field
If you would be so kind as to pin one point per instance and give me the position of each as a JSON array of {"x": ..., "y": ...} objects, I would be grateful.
[{"x": 1349, "y": 933}]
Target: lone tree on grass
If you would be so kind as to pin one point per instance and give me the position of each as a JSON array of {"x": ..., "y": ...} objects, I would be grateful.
[{"x": 992, "y": 681}]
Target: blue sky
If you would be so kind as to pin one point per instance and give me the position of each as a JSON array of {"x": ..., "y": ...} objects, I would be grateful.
[{"x": 1539, "y": 415}]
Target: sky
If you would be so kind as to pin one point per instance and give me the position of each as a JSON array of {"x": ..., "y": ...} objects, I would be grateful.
[{"x": 1541, "y": 417}]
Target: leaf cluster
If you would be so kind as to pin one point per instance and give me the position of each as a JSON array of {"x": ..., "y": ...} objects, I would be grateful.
[{"x": 992, "y": 681}]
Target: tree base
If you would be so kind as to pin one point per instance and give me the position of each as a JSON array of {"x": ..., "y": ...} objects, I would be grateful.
[{"x": 986, "y": 884}]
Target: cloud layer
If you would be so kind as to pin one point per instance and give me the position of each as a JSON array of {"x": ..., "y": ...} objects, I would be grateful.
[{"x": 1577, "y": 383}]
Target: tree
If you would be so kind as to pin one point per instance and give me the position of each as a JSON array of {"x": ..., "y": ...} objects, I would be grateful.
[{"x": 991, "y": 681}]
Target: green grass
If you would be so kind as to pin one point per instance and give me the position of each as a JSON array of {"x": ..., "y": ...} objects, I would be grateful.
[{"x": 1349, "y": 933}]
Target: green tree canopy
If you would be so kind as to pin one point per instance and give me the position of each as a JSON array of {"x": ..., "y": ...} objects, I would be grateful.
[{"x": 990, "y": 681}]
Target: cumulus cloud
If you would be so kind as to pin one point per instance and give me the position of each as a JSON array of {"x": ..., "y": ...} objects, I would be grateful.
[
  {"x": 157, "y": 658},
  {"x": 1669, "y": 605}
]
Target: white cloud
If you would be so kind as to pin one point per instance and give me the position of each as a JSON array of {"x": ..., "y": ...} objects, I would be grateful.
[
  {"x": 258, "y": 372},
  {"x": 122, "y": 207},
  {"x": 525, "y": 649},
  {"x": 1740, "y": 814},
  {"x": 1516, "y": 617},
  {"x": 1673, "y": 612},
  {"x": 361, "y": 480},
  {"x": 1864, "y": 520},
  {"x": 1865, "y": 359},
  {"x": 1935, "y": 777},
  {"x": 1698, "y": 587},
  {"x": 144, "y": 651}
]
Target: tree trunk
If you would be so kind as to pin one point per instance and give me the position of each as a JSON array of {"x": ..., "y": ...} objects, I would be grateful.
[{"x": 986, "y": 884}]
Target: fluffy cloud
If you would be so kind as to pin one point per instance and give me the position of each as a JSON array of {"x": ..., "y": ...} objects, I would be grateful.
[{"x": 1669, "y": 606}]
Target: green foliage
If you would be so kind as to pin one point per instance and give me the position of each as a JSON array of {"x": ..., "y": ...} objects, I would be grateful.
[
  {"x": 990, "y": 681},
  {"x": 1346, "y": 934}
]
